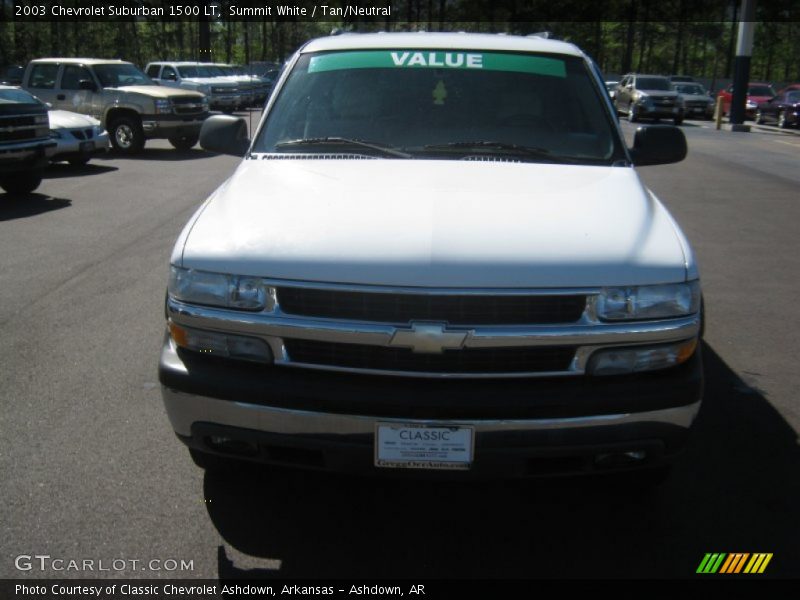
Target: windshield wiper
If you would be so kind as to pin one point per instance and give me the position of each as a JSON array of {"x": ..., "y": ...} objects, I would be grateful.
[
  {"x": 501, "y": 147},
  {"x": 340, "y": 141}
]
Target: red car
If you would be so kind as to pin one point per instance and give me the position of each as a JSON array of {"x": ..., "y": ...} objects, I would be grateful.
[{"x": 756, "y": 93}]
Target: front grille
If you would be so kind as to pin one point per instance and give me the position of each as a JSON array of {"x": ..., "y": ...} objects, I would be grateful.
[
  {"x": 400, "y": 308},
  {"x": 21, "y": 121},
  {"x": 82, "y": 134},
  {"x": 185, "y": 105},
  {"x": 465, "y": 360},
  {"x": 19, "y": 135}
]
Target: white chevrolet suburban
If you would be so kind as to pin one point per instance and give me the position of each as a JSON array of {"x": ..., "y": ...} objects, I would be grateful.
[{"x": 436, "y": 254}]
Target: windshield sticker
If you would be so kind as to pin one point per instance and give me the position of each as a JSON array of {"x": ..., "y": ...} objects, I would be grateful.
[
  {"x": 406, "y": 59},
  {"x": 439, "y": 93}
]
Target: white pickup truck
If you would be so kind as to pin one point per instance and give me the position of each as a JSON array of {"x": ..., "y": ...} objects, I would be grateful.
[{"x": 436, "y": 254}]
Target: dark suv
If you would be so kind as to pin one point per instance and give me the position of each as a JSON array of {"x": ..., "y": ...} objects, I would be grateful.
[{"x": 647, "y": 97}]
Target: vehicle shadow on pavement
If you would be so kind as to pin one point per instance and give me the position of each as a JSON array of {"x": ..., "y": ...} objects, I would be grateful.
[
  {"x": 734, "y": 489},
  {"x": 60, "y": 170},
  {"x": 161, "y": 154},
  {"x": 19, "y": 206}
]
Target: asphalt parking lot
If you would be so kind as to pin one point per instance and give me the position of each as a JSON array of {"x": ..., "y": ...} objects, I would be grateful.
[{"x": 91, "y": 468}]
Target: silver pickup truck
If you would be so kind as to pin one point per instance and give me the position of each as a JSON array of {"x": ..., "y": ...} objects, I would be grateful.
[{"x": 130, "y": 105}]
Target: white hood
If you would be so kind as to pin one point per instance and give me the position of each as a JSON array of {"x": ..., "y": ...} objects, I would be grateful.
[
  {"x": 435, "y": 223},
  {"x": 64, "y": 119}
]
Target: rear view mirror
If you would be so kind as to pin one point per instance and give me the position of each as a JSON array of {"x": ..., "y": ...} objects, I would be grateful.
[
  {"x": 225, "y": 134},
  {"x": 658, "y": 145}
]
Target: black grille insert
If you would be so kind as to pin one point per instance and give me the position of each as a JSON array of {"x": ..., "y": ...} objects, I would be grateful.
[
  {"x": 454, "y": 309},
  {"x": 465, "y": 360}
]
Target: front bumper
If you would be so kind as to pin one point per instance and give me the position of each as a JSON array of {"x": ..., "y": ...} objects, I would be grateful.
[
  {"x": 165, "y": 126},
  {"x": 25, "y": 156},
  {"x": 69, "y": 147},
  {"x": 650, "y": 111},
  {"x": 523, "y": 427}
]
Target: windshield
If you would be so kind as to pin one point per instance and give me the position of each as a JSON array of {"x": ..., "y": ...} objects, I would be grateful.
[
  {"x": 121, "y": 75},
  {"x": 442, "y": 105},
  {"x": 760, "y": 90},
  {"x": 793, "y": 97},
  {"x": 15, "y": 96},
  {"x": 690, "y": 88},
  {"x": 653, "y": 83}
]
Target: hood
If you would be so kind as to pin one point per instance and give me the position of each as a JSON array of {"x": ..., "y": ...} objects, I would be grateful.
[
  {"x": 156, "y": 91},
  {"x": 64, "y": 119},
  {"x": 658, "y": 93},
  {"x": 435, "y": 223},
  {"x": 696, "y": 97},
  {"x": 208, "y": 81}
]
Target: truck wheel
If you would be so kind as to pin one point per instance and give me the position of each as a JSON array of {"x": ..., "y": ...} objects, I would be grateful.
[
  {"x": 782, "y": 122},
  {"x": 126, "y": 135},
  {"x": 677, "y": 120},
  {"x": 184, "y": 142},
  {"x": 22, "y": 183},
  {"x": 632, "y": 116}
]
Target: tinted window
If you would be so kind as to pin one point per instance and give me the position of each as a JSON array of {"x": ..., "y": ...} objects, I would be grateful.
[
  {"x": 760, "y": 90},
  {"x": 16, "y": 96},
  {"x": 689, "y": 88},
  {"x": 653, "y": 83},
  {"x": 152, "y": 71},
  {"x": 399, "y": 99},
  {"x": 169, "y": 74},
  {"x": 120, "y": 75},
  {"x": 793, "y": 97},
  {"x": 72, "y": 76},
  {"x": 43, "y": 76}
]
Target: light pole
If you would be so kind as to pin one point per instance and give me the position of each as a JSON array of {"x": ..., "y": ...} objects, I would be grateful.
[{"x": 741, "y": 64}]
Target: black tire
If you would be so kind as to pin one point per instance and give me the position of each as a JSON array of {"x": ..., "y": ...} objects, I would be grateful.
[
  {"x": 677, "y": 120},
  {"x": 783, "y": 123},
  {"x": 184, "y": 142},
  {"x": 21, "y": 183},
  {"x": 632, "y": 116},
  {"x": 127, "y": 136},
  {"x": 759, "y": 117},
  {"x": 78, "y": 162}
]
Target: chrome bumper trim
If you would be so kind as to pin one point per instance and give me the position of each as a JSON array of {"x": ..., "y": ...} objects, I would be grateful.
[
  {"x": 185, "y": 409},
  {"x": 581, "y": 333}
]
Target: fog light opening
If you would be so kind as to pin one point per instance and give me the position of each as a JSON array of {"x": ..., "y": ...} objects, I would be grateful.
[
  {"x": 229, "y": 445},
  {"x": 613, "y": 460}
]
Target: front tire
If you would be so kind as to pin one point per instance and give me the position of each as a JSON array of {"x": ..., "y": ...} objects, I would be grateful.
[
  {"x": 127, "y": 135},
  {"x": 21, "y": 183},
  {"x": 632, "y": 114},
  {"x": 677, "y": 120},
  {"x": 782, "y": 122},
  {"x": 759, "y": 117},
  {"x": 184, "y": 142}
]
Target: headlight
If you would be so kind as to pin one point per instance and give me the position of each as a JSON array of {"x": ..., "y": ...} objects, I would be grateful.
[
  {"x": 98, "y": 130},
  {"x": 649, "y": 302},
  {"x": 204, "y": 89},
  {"x": 163, "y": 106},
  {"x": 217, "y": 289},
  {"x": 752, "y": 105}
]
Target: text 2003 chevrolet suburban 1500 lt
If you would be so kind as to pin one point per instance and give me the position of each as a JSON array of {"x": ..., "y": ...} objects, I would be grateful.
[{"x": 435, "y": 254}]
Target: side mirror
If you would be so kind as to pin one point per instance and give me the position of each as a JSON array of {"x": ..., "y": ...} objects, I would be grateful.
[
  {"x": 225, "y": 134},
  {"x": 85, "y": 84},
  {"x": 658, "y": 145}
]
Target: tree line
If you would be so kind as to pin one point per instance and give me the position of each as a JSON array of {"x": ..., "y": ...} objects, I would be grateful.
[{"x": 668, "y": 36}]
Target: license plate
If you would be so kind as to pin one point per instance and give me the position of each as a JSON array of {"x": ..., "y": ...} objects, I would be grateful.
[
  {"x": 87, "y": 146},
  {"x": 413, "y": 446}
]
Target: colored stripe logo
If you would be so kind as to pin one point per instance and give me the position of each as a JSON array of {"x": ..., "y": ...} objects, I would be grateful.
[{"x": 737, "y": 562}]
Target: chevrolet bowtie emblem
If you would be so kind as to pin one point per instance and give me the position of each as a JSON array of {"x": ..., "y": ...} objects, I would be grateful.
[{"x": 429, "y": 338}]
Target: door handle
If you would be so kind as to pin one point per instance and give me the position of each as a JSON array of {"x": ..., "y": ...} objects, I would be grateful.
[{"x": 61, "y": 97}]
